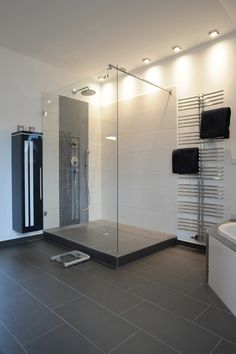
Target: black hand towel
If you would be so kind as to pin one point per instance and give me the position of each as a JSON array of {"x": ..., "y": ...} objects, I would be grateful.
[
  {"x": 215, "y": 123},
  {"x": 185, "y": 161}
]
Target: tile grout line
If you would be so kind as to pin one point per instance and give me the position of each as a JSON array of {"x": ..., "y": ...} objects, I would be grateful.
[
  {"x": 165, "y": 286},
  {"x": 174, "y": 291},
  {"x": 213, "y": 349},
  {"x": 13, "y": 336},
  {"x": 86, "y": 272},
  {"x": 182, "y": 318},
  {"x": 57, "y": 315},
  {"x": 144, "y": 300},
  {"x": 125, "y": 340},
  {"x": 114, "y": 313},
  {"x": 132, "y": 324},
  {"x": 187, "y": 295},
  {"x": 161, "y": 341},
  {"x": 194, "y": 289},
  {"x": 106, "y": 307},
  {"x": 43, "y": 334},
  {"x": 201, "y": 313},
  {"x": 131, "y": 308}
]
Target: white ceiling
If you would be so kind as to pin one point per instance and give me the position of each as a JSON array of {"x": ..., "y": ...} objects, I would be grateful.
[{"x": 83, "y": 36}]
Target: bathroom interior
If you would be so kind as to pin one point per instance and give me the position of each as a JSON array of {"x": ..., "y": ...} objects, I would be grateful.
[{"x": 118, "y": 186}]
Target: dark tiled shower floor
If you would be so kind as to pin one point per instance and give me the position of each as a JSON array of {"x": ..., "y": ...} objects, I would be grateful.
[
  {"x": 103, "y": 241},
  {"x": 154, "y": 306}
]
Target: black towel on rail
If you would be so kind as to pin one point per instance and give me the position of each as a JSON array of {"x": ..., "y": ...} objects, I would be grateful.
[
  {"x": 215, "y": 123},
  {"x": 185, "y": 161}
]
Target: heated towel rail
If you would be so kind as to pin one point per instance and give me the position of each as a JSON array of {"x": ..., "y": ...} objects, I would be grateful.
[{"x": 200, "y": 196}]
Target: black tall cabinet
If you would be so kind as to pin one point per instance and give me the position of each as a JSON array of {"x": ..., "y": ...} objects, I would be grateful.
[{"x": 27, "y": 185}]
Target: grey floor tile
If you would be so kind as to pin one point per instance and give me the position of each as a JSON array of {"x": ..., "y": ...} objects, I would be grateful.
[
  {"x": 50, "y": 291},
  {"x": 13, "y": 250},
  {"x": 108, "y": 295},
  {"x": 101, "y": 326},
  {"x": 170, "y": 262},
  {"x": 117, "y": 277},
  {"x": 197, "y": 275},
  {"x": 180, "y": 334},
  {"x": 47, "y": 247},
  {"x": 196, "y": 262},
  {"x": 19, "y": 270},
  {"x": 134, "y": 267},
  {"x": 206, "y": 294},
  {"x": 186, "y": 252},
  {"x": 26, "y": 317},
  {"x": 37, "y": 258},
  {"x": 8, "y": 345},
  {"x": 171, "y": 300},
  {"x": 225, "y": 347},
  {"x": 62, "y": 340},
  {"x": 170, "y": 280},
  {"x": 219, "y": 322},
  {"x": 142, "y": 343},
  {"x": 70, "y": 276},
  {"x": 88, "y": 265},
  {"x": 7, "y": 286},
  {"x": 173, "y": 264}
]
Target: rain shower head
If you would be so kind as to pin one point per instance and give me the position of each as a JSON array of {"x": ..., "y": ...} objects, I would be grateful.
[{"x": 85, "y": 91}]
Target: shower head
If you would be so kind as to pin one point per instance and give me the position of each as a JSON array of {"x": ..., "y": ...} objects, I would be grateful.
[
  {"x": 85, "y": 91},
  {"x": 88, "y": 92}
]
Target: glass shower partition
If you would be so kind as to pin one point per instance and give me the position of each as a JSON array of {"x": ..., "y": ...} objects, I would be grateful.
[
  {"x": 108, "y": 186},
  {"x": 80, "y": 166}
]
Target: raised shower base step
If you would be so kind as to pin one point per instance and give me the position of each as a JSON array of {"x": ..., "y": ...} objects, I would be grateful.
[{"x": 108, "y": 259}]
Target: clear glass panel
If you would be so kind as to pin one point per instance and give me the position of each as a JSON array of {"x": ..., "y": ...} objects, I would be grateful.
[
  {"x": 80, "y": 163},
  {"x": 107, "y": 163},
  {"x": 146, "y": 185}
]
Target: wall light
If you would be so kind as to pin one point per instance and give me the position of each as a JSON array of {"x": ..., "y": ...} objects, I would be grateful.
[
  {"x": 146, "y": 61},
  {"x": 214, "y": 33},
  {"x": 177, "y": 49}
]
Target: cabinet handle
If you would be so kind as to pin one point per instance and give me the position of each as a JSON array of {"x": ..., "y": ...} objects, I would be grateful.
[{"x": 40, "y": 184}]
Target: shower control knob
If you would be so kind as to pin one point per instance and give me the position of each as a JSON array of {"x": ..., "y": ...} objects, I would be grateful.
[{"x": 74, "y": 161}]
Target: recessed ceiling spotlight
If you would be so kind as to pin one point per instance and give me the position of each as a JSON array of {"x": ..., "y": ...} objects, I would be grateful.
[
  {"x": 177, "y": 49},
  {"x": 103, "y": 77},
  {"x": 49, "y": 101},
  {"x": 146, "y": 61},
  {"x": 214, "y": 33}
]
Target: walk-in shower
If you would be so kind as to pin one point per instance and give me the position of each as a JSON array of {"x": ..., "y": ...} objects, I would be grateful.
[{"x": 108, "y": 186}]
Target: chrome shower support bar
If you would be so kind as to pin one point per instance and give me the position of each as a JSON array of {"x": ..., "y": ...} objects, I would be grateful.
[{"x": 110, "y": 66}]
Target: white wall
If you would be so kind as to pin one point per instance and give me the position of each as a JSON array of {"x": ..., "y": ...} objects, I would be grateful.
[
  {"x": 146, "y": 138},
  {"x": 207, "y": 68},
  {"x": 22, "y": 80}
]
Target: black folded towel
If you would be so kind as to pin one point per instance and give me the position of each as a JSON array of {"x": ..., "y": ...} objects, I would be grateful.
[
  {"x": 185, "y": 161},
  {"x": 215, "y": 123}
]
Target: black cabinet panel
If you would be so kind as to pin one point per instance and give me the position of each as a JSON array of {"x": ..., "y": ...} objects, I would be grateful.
[{"x": 27, "y": 186}]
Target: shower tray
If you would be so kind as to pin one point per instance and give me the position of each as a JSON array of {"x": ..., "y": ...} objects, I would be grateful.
[{"x": 71, "y": 258}]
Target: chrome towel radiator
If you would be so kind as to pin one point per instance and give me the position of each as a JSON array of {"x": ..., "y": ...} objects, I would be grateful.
[{"x": 200, "y": 196}]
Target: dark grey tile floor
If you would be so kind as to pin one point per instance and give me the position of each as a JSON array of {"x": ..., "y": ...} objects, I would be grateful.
[{"x": 159, "y": 305}]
